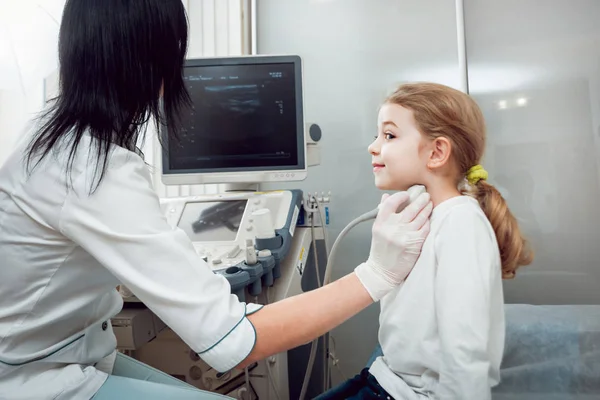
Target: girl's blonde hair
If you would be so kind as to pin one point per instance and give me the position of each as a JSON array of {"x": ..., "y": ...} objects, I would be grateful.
[{"x": 442, "y": 111}]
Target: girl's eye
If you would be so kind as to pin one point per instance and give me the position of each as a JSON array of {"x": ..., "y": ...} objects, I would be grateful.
[{"x": 389, "y": 136}]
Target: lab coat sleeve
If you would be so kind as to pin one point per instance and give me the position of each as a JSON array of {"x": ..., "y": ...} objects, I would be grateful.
[
  {"x": 121, "y": 225},
  {"x": 465, "y": 255}
]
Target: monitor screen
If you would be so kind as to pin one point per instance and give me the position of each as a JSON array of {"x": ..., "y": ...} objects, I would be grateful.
[{"x": 246, "y": 115}]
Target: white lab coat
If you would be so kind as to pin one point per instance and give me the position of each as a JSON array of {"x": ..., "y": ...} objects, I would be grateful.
[
  {"x": 442, "y": 332},
  {"x": 63, "y": 251}
]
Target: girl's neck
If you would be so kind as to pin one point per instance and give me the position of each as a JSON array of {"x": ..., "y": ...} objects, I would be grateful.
[{"x": 441, "y": 190}]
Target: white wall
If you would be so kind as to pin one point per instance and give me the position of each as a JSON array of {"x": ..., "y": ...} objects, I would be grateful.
[
  {"x": 26, "y": 39},
  {"x": 543, "y": 154},
  {"x": 16, "y": 110}
]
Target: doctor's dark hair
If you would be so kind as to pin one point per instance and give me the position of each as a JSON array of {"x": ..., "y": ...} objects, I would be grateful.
[
  {"x": 116, "y": 58},
  {"x": 440, "y": 111}
]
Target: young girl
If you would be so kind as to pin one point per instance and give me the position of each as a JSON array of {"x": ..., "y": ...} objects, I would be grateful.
[{"x": 442, "y": 331}]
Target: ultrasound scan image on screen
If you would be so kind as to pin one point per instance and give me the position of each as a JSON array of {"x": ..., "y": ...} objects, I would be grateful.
[
  {"x": 212, "y": 221},
  {"x": 242, "y": 116}
]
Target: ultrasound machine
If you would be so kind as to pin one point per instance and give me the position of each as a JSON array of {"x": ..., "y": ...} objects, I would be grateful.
[{"x": 245, "y": 127}]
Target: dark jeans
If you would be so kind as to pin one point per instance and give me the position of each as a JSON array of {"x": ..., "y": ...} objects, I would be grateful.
[{"x": 362, "y": 387}]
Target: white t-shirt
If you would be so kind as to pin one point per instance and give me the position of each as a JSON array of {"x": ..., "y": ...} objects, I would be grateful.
[
  {"x": 442, "y": 332},
  {"x": 62, "y": 254}
]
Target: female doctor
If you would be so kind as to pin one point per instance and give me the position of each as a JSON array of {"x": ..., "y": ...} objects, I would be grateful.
[{"x": 78, "y": 216}]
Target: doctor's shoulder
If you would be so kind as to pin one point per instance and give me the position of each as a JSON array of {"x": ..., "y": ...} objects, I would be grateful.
[{"x": 121, "y": 167}]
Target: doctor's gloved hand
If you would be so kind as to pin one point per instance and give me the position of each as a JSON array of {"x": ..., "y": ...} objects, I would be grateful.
[{"x": 396, "y": 243}]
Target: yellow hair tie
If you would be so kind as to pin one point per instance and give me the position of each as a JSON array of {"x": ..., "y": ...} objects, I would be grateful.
[{"x": 476, "y": 173}]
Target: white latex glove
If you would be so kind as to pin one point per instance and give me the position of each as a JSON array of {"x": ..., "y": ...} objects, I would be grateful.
[{"x": 396, "y": 243}]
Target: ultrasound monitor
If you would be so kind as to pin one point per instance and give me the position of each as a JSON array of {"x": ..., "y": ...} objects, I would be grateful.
[{"x": 245, "y": 123}]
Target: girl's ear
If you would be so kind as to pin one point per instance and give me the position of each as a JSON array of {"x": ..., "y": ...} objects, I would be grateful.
[{"x": 441, "y": 150}]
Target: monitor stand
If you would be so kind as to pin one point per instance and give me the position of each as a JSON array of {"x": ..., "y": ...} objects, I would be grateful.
[{"x": 238, "y": 187}]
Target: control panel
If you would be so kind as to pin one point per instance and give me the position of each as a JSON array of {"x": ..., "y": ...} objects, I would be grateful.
[{"x": 242, "y": 236}]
